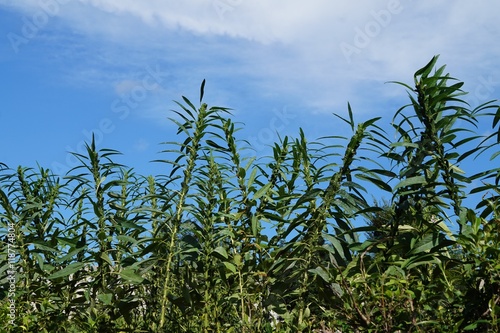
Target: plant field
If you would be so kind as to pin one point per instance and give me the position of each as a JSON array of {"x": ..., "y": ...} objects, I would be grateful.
[{"x": 293, "y": 242}]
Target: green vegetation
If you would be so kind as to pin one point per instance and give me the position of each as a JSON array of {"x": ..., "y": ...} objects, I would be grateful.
[{"x": 103, "y": 249}]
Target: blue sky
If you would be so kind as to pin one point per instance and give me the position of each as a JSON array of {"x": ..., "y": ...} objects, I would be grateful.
[{"x": 114, "y": 67}]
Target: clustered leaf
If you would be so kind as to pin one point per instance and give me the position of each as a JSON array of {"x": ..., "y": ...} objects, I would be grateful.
[{"x": 222, "y": 242}]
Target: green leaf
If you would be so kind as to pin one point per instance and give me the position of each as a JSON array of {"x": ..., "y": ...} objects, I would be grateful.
[
  {"x": 429, "y": 242},
  {"x": 262, "y": 191},
  {"x": 105, "y": 298},
  {"x": 359, "y": 247},
  {"x": 237, "y": 259},
  {"x": 411, "y": 181},
  {"x": 129, "y": 274},
  {"x": 242, "y": 173},
  {"x": 70, "y": 255},
  {"x": 336, "y": 244},
  {"x": 40, "y": 245},
  {"x": 214, "y": 144},
  {"x": 475, "y": 324},
  {"x": 378, "y": 182},
  {"x": 423, "y": 259},
  {"x": 188, "y": 102},
  {"x": 220, "y": 253},
  {"x": 231, "y": 267},
  {"x": 320, "y": 271},
  {"x": 255, "y": 226},
  {"x": 251, "y": 179},
  {"x": 105, "y": 257},
  {"x": 424, "y": 71},
  {"x": 68, "y": 270},
  {"x": 129, "y": 224},
  {"x": 202, "y": 90},
  {"x": 125, "y": 239}
]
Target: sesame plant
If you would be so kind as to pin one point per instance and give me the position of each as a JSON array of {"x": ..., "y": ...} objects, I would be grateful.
[{"x": 290, "y": 242}]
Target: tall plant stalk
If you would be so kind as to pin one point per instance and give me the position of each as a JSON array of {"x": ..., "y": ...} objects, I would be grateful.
[{"x": 273, "y": 244}]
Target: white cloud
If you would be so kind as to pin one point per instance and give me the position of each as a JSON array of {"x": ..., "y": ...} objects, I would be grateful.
[{"x": 292, "y": 47}]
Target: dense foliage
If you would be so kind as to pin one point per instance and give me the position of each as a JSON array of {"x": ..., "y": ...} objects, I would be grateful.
[{"x": 289, "y": 243}]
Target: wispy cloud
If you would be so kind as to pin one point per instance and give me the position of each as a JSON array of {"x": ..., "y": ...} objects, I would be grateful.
[{"x": 319, "y": 54}]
